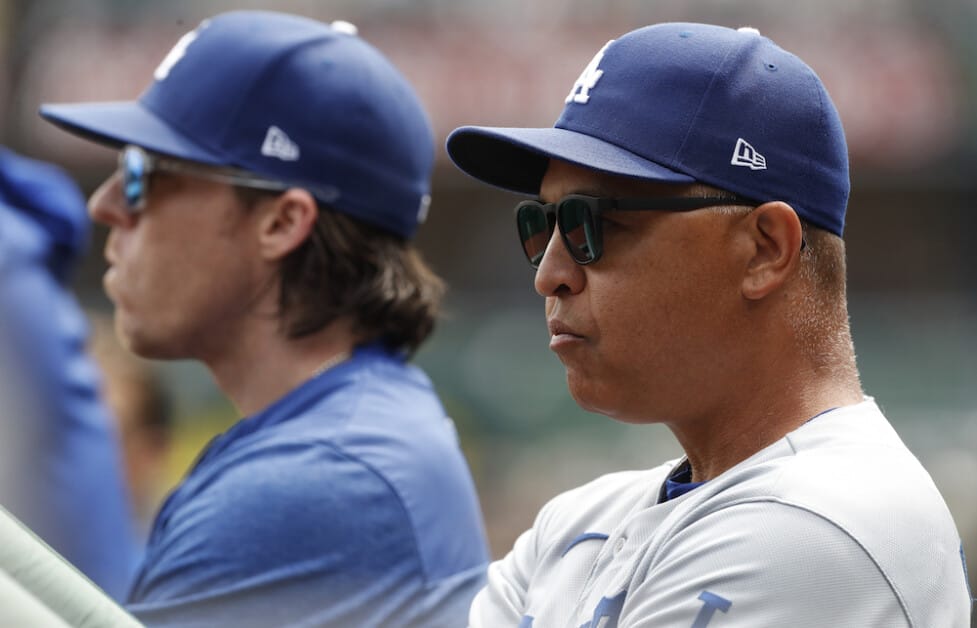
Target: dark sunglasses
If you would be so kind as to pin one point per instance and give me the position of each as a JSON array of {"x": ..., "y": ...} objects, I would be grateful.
[
  {"x": 135, "y": 166},
  {"x": 578, "y": 218}
]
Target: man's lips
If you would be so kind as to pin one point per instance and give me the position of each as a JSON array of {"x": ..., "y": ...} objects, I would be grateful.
[
  {"x": 561, "y": 334},
  {"x": 559, "y": 328},
  {"x": 111, "y": 274},
  {"x": 111, "y": 257},
  {"x": 108, "y": 282}
]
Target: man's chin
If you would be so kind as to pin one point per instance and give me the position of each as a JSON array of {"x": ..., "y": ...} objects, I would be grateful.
[
  {"x": 590, "y": 396},
  {"x": 144, "y": 345},
  {"x": 584, "y": 392}
]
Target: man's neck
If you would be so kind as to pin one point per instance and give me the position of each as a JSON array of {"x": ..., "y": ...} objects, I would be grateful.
[
  {"x": 763, "y": 415},
  {"x": 266, "y": 365}
]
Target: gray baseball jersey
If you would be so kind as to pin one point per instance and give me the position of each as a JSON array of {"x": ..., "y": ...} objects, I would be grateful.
[{"x": 836, "y": 524}]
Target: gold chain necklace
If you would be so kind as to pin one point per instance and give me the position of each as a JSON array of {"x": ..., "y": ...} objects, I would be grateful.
[{"x": 335, "y": 360}]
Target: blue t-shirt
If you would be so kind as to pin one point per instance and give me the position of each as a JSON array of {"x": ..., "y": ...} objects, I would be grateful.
[{"x": 345, "y": 503}]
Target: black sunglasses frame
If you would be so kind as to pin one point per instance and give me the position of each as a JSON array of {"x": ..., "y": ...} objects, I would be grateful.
[{"x": 555, "y": 215}]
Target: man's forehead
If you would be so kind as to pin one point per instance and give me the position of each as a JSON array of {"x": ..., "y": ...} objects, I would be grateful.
[{"x": 564, "y": 178}]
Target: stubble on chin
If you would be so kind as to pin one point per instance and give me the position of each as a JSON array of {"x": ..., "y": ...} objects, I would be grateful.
[{"x": 141, "y": 340}]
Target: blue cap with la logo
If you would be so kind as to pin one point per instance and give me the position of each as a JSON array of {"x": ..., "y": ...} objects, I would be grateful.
[
  {"x": 288, "y": 98},
  {"x": 682, "y": 103}
]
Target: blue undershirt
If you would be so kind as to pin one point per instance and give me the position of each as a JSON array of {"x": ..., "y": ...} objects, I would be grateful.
[{"x": 679, "y": 482}]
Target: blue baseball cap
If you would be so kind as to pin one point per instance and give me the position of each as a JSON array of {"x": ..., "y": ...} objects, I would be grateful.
[
  {"x": 288, "y": 98},
  {"x": 683, "y": 103}
]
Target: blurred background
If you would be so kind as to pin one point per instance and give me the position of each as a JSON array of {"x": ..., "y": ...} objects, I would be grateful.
[{"x": 902, "y": 72}]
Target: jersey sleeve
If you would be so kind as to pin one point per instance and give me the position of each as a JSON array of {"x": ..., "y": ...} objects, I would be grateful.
[
  {"x": 763, "y": 564},
  {"x": 506, "y": 597},
  {"x": 302, "y": 524},
  {"x": 503, "y": 599}
]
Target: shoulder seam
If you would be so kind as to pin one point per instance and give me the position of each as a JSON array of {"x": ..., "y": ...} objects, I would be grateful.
[{"x": 769, "y": 499}]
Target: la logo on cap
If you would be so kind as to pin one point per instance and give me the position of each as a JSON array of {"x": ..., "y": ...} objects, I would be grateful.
[
  {"x": 423, "y": 208},
  {"x": 580, "y": 93},
  {"x": 174, "y": 55}
]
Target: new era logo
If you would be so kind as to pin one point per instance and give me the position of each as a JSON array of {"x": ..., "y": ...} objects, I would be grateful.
[
  {"x": 277, "y": 144},
  {"x": 745, "y": 155}
]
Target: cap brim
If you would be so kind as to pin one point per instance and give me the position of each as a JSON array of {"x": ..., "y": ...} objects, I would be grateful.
[
  {"x": 516, "y": 159},
  {"x": 119, "y": 123}
]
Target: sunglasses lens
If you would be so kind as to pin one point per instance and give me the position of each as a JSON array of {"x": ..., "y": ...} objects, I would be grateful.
[
  {"x": 534, "y": 231},
  {"x": 577, "y": 226},
  {"x": 134, "y": 177}
]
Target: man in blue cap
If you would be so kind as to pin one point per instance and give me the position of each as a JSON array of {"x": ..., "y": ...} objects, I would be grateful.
[
  {"x": 687, "y": 240},
  {"x": 269, "y": 182}
]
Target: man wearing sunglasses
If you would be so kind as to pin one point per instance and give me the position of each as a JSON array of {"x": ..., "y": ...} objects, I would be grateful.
[
  {"x": 687, "y": 241},
  {"x": 269, "y": 182}
]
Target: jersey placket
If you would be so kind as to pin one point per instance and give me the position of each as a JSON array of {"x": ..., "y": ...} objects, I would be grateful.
[{"x": 617, "y": 560}]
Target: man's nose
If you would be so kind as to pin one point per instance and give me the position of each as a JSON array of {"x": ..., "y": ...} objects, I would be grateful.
[
  {"x": 557, "y": 272},
  {"x": 107, "y": 204}
]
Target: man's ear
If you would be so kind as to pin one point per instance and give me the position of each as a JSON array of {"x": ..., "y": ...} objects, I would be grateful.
[
  {"x": 286, "y": 222},
  {"x": 777, "y": 238}
]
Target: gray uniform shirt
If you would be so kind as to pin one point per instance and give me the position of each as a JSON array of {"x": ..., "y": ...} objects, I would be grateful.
[{"x": 836, "y": 524}]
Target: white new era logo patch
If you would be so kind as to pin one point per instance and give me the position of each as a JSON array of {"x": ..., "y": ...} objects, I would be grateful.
[
  {"x": 745, "y": 155},
  {"x": 278, "y": 144}
]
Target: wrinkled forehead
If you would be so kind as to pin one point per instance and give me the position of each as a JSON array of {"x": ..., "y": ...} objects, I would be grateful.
[{"x": 563, "y": 178}]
